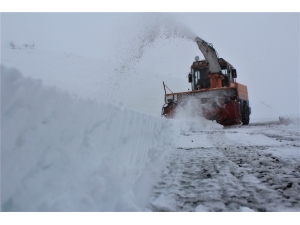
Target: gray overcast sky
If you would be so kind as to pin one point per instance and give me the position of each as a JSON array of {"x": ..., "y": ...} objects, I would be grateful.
[{"x": 263, "y": 47}]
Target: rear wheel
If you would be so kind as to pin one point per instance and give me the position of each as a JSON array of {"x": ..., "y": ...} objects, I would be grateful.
[{"x": 245, "y": 115}]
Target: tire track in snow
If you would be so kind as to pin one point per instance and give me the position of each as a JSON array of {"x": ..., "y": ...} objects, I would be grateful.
[
  {"x": 226, "y": 177},
  {"x": 278, "y": 187}
]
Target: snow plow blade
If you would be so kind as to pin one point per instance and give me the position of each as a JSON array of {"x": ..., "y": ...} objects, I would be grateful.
[{"x": 219, "y": 105}]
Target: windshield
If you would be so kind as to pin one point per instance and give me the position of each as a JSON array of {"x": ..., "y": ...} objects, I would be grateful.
[{"x": 200, "y": 78}]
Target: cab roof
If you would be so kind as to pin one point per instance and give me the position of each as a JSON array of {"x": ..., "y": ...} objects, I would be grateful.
[{"x": 203, "y": 63}]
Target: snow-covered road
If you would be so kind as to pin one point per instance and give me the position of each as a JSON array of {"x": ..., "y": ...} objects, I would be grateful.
[
  {"x": 248, "y": 168},
  {"x": 61, "y": 153}
]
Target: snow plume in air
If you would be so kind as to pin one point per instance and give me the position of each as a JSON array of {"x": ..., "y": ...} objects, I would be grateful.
[
  {"x": 60, "y": 153},
  {"x": 142, "y": 63},
  {"x": 165, "y": 27},
  {"x": 150, "y": 28}
]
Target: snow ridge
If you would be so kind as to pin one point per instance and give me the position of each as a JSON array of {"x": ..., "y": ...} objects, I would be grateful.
[{"x": 61, "y": 153}]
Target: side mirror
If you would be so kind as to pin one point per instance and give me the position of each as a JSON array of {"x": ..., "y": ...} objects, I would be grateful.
[
  {"x": 190, "y": 78},
  {"x": 234, "y": 74}
]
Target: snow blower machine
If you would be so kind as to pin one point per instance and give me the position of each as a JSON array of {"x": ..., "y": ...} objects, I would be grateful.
[{"x": 213, "y": 89}]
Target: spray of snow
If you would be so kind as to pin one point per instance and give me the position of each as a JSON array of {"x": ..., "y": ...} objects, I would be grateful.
[
  {"x": 61, "y": 153},
  {"x": 289, "y": 119},
  {"x": 166, "y": 28},
  {"x": 150, "y": 28},
  {"x": 189, "y": 118}
]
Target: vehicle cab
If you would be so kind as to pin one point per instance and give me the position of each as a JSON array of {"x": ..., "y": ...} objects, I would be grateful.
[{"x": 199, "y": 75}]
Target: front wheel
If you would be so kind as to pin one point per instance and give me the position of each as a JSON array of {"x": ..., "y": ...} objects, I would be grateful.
[{"x": 245, "y": 116}]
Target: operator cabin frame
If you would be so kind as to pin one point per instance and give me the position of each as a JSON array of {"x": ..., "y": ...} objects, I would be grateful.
[{"x": 200, "y": 77}]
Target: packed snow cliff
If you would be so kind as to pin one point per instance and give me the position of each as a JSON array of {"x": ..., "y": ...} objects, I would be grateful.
[{"x": 60, "y": 153}]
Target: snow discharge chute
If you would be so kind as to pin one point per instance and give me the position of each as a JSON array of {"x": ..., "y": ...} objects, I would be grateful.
[{"x": 209, "y": 54}]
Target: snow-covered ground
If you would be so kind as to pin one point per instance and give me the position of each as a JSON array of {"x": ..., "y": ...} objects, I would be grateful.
[
  {"x": 248, "y": 168},
  {"x": 70, "y": 141}
]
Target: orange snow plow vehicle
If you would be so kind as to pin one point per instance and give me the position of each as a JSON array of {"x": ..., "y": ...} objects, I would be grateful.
[{"x": 214, "y": 91}]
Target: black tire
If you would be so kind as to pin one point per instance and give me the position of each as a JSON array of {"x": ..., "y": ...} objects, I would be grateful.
[{"x": 245, "y": 114}]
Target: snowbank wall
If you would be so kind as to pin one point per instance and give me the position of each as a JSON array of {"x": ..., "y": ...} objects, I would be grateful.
[{"x": 60, "y": 153}]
